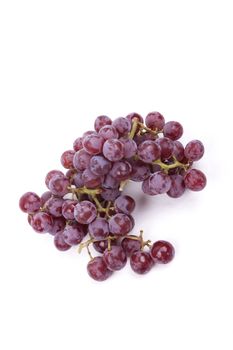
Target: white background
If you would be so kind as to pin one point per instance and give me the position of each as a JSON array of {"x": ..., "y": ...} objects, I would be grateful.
[{"x": 62, "y": 63}]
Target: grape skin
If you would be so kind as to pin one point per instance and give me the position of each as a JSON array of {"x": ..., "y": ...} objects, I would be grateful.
[
  {"x": 130, "y": 245},
  {"x": 177, "y": 188},
  {"x": 93, "y": 144},
  {"x": 58, "y": 185},
  {"x": 140, "y": 171},
  {"x": 100, "y": 166},
  {"x": 67, "y": 159},
  {"x": 162, "y": 252},
  {"x": 73, "y": 234},
  {"x": 30, "y": 202},
  {"x": 68, "y": 209},
  {"x": 101, "y": 121},
  {"x": 113, "y": 150},
  {"x": 85, "y": 212},
  {"x": 173, "y": 130},
  {"x": 148, "y": 151},
  {"x": 120, "y": 224},
  {"x": 124, "y": 204},
  {"x": 51, "y": 174},
  {"x": 155, "y": 121},
  {"x": 109, "y": 132},
  {"x": 42, "y": 222},
  {"x": 58, "y": 226},
  {"x": 195, "y": 180},
  {"x": 194, "y": 150},
  {"x": 122, "y": 125},
  {"x": 91, "y": 180},
  {"x": 115, "y": 258},
  {"x": 99, "y": 228},
  {"x": 81, "y": 160},
  {"x": 159, "y": 182},
  {"x": 97, "y": 269},
  {"x": 121, "y": 170},
  {"x": 59, "y": 242},
  {"x": 78, "y": 144},
  {"x": 54, "y": 206},
  {"x": 141, "y": 262}
]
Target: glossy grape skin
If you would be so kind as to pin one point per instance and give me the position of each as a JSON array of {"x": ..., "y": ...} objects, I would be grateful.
[
  {"x": 194, "y": 150},
  {"x": 54, "y": 206},
  {"x": 130, "y": 147},
  {"x": 121, "y": 170},
  {"x": 59, "y": 225},
  {"x": 195, "y": 180},
  {"x": 110, "y": 194},
  {"x": 162, "y": 252},
  {"x": 97, "y": 269},
  {"x": 42, "y": 222},
  {"x": 122, "y": 125},
  {"x": 159, "y": 182},
  {"x": 99, "y": 228},
  {"x": 120, "y": 224},
  {"x": 177, "y": 188},
  {"x": 133, "y": 116},
  {"x": 130, "y": 245},
  {"x": 109, "y": 132},
  {"x": 67, "y": 159},
  {"x": 173, "y": 130},
  {"x": 155, "y": 121},
  {"x": 73, "y": 233},
  {"x": 124, "y": 204},
  {"x": 59, "y": 242},
  {"x": 91, "y": 180},
  {"x": 58, "y": 185},
  {"x": 78, "y": 180},
  {"x": 113, "y": 150},
  {"x": 30, "y": 202},
  {"x": 147, "y": 189},
  {"x": 101, "y": 121},
  {"x": 178, "y": 150},
  {"x": 148, "y": 151},
  {"x": 140, "y": 171},
  {"x": 81, "y": 160},
  {"x": 141, "y": 262},
  {"x": 166, "y": 146},
  {"x": 100, "y": 166},
  {"x": 110, "y": 182},
  {"x": 78, "y": 144},
  {"x": 100, "y": 246},
  {"x": 68, "y": 209},
  {"x": 51, "y": 174},
  {"x": 44, "y": 197},
  {"x": 85, "y": 212},
  {"x": 93, "y": 144},
  {"x": 115, "y": 258}
]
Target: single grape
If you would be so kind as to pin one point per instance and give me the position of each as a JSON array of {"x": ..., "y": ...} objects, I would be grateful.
[
  {"x": 195, "y": 180},
  {"x": 110, "y": 182},
  {"x": 59, "y": 242},
  {"x": 89, "y": 132},
  {"x": 42, "y": 222},
  {"x": 58, "y": 185},
  {"x": 99, "y": 228},
  {"x": 78, "y": 180},
  {"x": 100, "y": 246},
  {"x": 130, "y": 147},
  {"x": 166, "y": 146},
  {"x": 85, "y": 212},
  {"x": 59, "y": 225},
  {"x": 81, "y": 160},
  {"x": 141, "y": 262},
  {"x": 44, "y": 197},
  {"x": 120, "y": 224},
  {"x": 148, "y": 151},
  {"x": 113, "y": 150},
  {"x": 173, "y": 130},
  {"x": 54, "y": 206},
  {"x": 140, "y": 171},
  {"x": 159, "y": 182},
  {"x": 101, "y": 121},
  {"x": 67, "y": 159},
  {"x": 133, "y": 116},
  {"x": 91, "y": 180},
  {"x": 147, "y": 189},
  {"x": 122, "y": 125},
  {"x": 155, "y": 121},
  {"x": 73, "y": 233},
  {"x": 110, "y": 194},
  {"x": 115, "y": 258},
  {"x": 109, "y": 132},
  {"x": 51, "y": 174},
  {"x": 194, "y": 150},
  {"x": 78, "y": 144},
  {"x": 30, "y": 202},
  {"x": 162, "y": 252},
  {"x": 124, "y": 204},
  {"x": 70, "y": 175},
  {"x": 177, "y": 186},
  {"x": 100, "y": 166},
  {"x": 97, "y": 269},
  {"x": 93, "y": 144},
  {"x": 178, "y": 150},
  {"x": 68, "y": 209},
  {"x": 121, "y": 170},
  {"x": 130, "y": 245}
]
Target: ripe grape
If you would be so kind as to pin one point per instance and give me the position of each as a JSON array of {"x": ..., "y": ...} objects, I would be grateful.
[
  {"x": 130, "y": 245},
  {"x": 30, "y": 202},
  {"x": 58, "y": 185},
  {"x": 177, "y": 186},
  {"x": 85, "y": 212},
  {"x": 100, "y": 246},
  {"x": 73, "y": 233},
  {"x": 140, "y": 171},
  {"x": 101, "y": 121},
  {"x": 113, "y": 150},
  {"x": 93, "y": 144},
  {"x": 155, "y": 121},
  {"x": 130, "y": 147},
  {"x": 120, "y": 224},
  {"x": 78, "y": 144},
  {"x": 110, "y": 194},
  {"x": 115, "y": 258},
  {"x": 121, "y": 170},
  {"x": 67, "y": 159},
  {"x": 42, "y": 222},
  {"x": 54, "y": 206},
  {"x": 124, "y": 204},
  {"x": 133, "y": 116},
  {"x": 68, "y": 209},
  {"x": 162, "y": 252},
  {"x": 148, "y": 151},
  {"x": 97, "y": 269},
  {"x": 195, "y": 180},
  {"x": 81, "y": 160},
  {"x": 58, "y": 226},
  {"x": 99, "y": 228},
  {"x": 110, "y": 182},
  {"x": 59, "y": 242},
  {"x": 194, "y": 150},
  {"x": 100, "y": 166},
  {"x": 78, "y": 180},
  {"x": 159, "y": 182},
  {"x": 122, "y": 125},
  {"x": 109, "y": 132},
  {"x": 51, "y": 174},
  {"x": 173, "y": 130},
  {"x": 44, "y": 197},
  {"x": 91, "y": 180},
  {"x": 178, "y": 150},
  {"x": 166, "y": 146},
  {"x": 141, "y": 262},
  {"x": 147, "y": 189}
]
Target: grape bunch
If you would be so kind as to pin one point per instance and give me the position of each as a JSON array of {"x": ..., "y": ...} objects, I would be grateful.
[{"x": 88, "y": 198}]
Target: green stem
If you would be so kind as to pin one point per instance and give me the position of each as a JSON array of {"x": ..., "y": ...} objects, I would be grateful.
[{"x": 134, "y": 128}]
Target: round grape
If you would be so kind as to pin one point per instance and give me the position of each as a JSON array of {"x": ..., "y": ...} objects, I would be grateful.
[
  {"x": 195, "y": 180},
  {"x": 110, "y": 194},
  {"x": 166, "y": 146},
  {"x": 59, "y": 242},
  {"x": 124, "y": 204},
  {"x": 93, "y": 144},
  {"x": 101, "y": 121},
  {"x": 141, "y": 262},
  {"x": 78, "y": 180},
  {"x": 130, "y": 245},
  {"x": 140, "y": 171},
  {"x": 121, "y": 170},
  {"x": 99, "y": 228},
  {"x": 133, "y": 116},
  {"x": 30, "y": 202},
  {"x": 73, "y": 233},
  {"x": 109, "y": 132},
  {"x": 173, "y": 130},
  {"x": 159, "y": 182},
  {"x": 91, "y": 180},
  {"x": 97, "y": 269},
  {"x": 130, "y": 147},
  {"x": 51, "y": 174},
  {"x": 178, "y": 150},
  {"x": 42, "y": 222},
  {"x": 68, "y": 209},
  {"x": 58, "y": 185},
  {"x": 78, "y": 144},
  {"x": 115, "y": 258},
  {"x": 194, "y": 150},
  {"x": 155, "y": 121},
  {"x": 122, "y": 125},
  {"x": 177, "y": 186},
  {"x": 67, "y": 159},
  {"x": 54, "y": 206},
  {"x": 113, "y": 150},
  {"x": 120, "y": 224},
  {"x": 148, "y": 151},
  {"x": 85, "y": 212},
  {"x": 162, "y": 252},
  {"x": 58, "y": 226},
  {"x": 81, "y": 160},
  {"x": 100, "y": 166}
]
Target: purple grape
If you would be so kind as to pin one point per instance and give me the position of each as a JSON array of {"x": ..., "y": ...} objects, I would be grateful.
[
  {"x": 51, "y": 174},
  {"x": 178, "y": 150},
  {"x": 167, "y": 146},
  {"x": 89, "y": 132},
  {"x": 113, "y": 150},
  {"x": 111, "y": 182},
  {"x": 124, "y": 204},
  {"x": 100, "y": 246},
  {"x": 68, "y": 209},
  {"x": 54, "y": 206},
  {"x": 173, "y": 130},
  {"x": 121, "y": 170},
  {"x": 78, "y": 180},
  {"x": 44, "y": 197},
  {"x": 108, "y": 132},
  {"x": 93, "y": 144},
  {"x": 147, "y": 189},
  {"x": 110, "y": 194},
  {"x": 159, "y": 182},
  {"x": 58, "y": 226},
  {"x": 58, "y": 185},
  {"x": 59, "y": 242},
  {"x": 78, "y": 144},
  {"x": 99, "y": 228},
  {"x": 148, "y": 151},
  {"x": 133, "y": 116},
  {"x": 70, "y": 175},
  {"x": 195, "y": 180},
  {"x": 101, "y": 121},
  {"x": 141, "y": 262},
  {"x": 42, "y": 222},
  {"x": 30, "y": 202},
  {"x": 140, "y": 171},
  {"x": 120, "y": 224},
  {"x": 155, "y": 121},
  {"x": 194, "y": 150},
  {"x": 122, "y": 125},
  {"x": 91, "y": 180},
  {"x": 97, "y": 269},
  {"x": 162, "y": 252},
  {"x": 130, "y": 245},
  {"x": 81, "y": 160},
  {"x": 177, "y": 186},
  {"x": 100, "y": 166},
  {"x": 85, "y": 212},
  {"x": 67, "y": 159},
  {"x": 115, "y": 258},
  {"x": 73, "y": 233},
  {"x": 130, "y": 147}
]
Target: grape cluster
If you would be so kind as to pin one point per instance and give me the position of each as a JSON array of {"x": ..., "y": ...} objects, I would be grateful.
[{"x": 88, "y": 198}]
